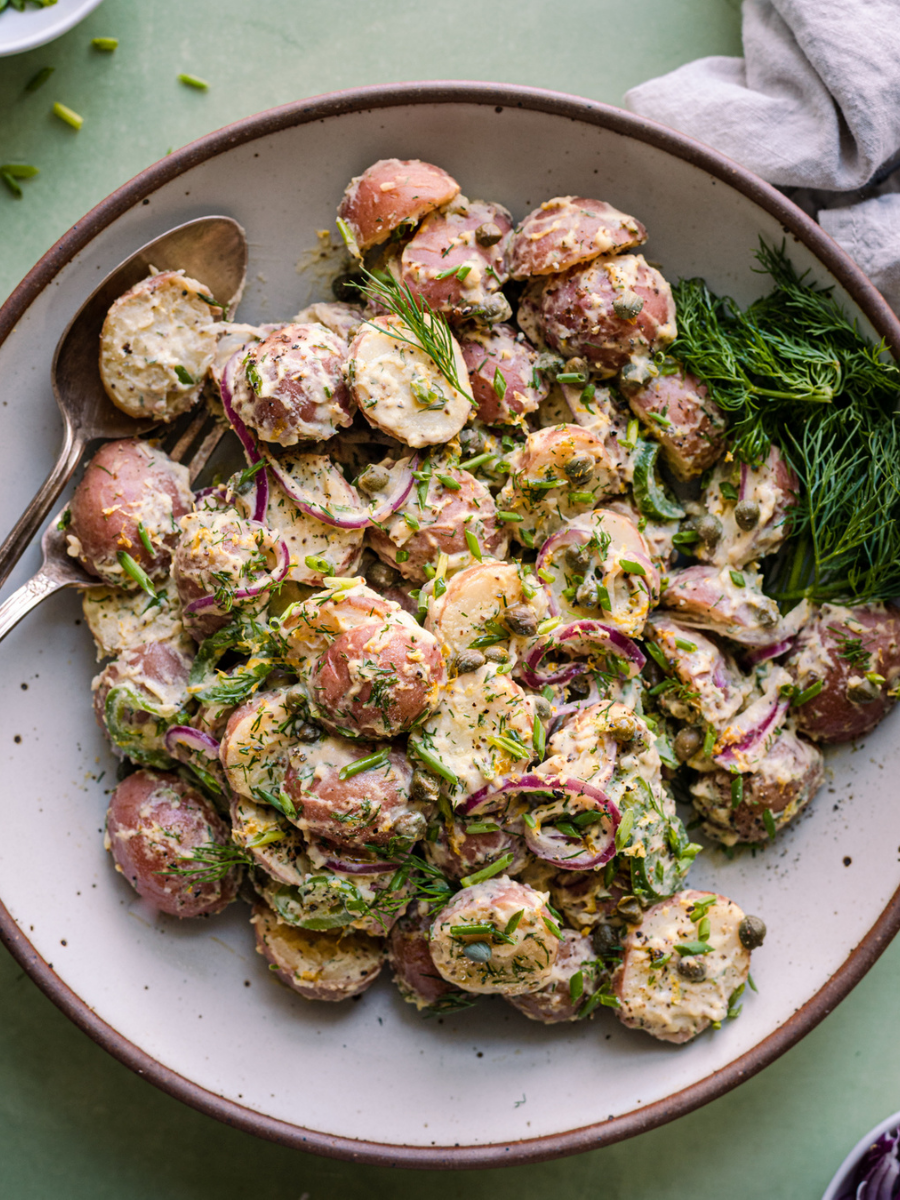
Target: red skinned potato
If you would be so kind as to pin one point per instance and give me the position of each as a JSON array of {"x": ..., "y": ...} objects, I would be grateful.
[
  {"x": 153, "y": 824},
  {"x": 457, "y": 853},
  {"x": 561, "y": 998},
  {"x": 456, "y": 260},
  {"x": 690, "y": 426},
  {"x": 290, "y": 388},
  {"x": 569, "y": 230},
  {"x": 787, "y": 779},
  {"x": 613, "y": 312},
  {"x": 139, "y": 695},
  {"x": 126, "y": 484},
  {"x": 318, "y": 966},
  {"x": 377, "y": 679},
  {"x": 371, "y": 807},
  {"x": 415, "y": 534},
  {"x": 417, "y": 978},
  {"x": 390, "y": 193},
  {"x": 502, "y": 373},
  {"x": 855, "y": 654}
]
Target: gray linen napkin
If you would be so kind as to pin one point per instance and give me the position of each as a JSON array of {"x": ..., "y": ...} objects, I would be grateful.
[{"x": 813, "y": 107}]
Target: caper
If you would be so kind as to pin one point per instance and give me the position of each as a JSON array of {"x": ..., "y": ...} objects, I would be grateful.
[
  {"x": 308, "y": 732},
  {"x": 578, "y": 557},
  {"x": 863, "y": 691},
  {"x": 687, "y": 743},
  {"x": 488, "y": 234},
  {"x": 622, "y": 727},
  {"x": 628, "y": 305},
  {"x": 295, "y": 698},
  {"x": 629, "y": 907},
  {"x": 576, "y": 366},
  {"x": 543, "y": 708},
  {"x": 519, "y": 620},
  {"x": 693, "y": 969},
  {"x": 468, "y": 660},
  {"x": 579, "y": 688},
  {"x": 424, "y": 788},
  {"x": 347, "y": 287},
  {"x": 588, "y": 595},
  {"x": 710, "y": 530},
  {"x": 496, "y": 654},
  {"x": 638, "y": 372},
  {"x": 752, "y": 932},
  {"x": 605, "y": 940},
  {"x": 579, "y": 467},
  {"x": 478, "y": 952},
  {"x": 380, "y": 575},
  {"x": 767, "y": 617},
  {"x": 373, "y": 479},
  {"x": 746, "y": 513}
]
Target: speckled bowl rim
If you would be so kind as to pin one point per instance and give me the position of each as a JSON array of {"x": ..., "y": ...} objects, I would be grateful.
[{"x": 795, "y": 223}]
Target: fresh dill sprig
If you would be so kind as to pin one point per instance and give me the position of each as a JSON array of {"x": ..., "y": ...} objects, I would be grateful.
[
  {"x": 794, "y": 371},
  {"x": 210, "y": 862},
  {"x": 429, "y": 330}
]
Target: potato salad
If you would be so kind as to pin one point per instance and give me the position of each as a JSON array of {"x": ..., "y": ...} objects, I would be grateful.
[{"x": 442, "y": 680}]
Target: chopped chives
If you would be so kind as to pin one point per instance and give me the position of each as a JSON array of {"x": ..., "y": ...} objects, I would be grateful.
[
  {"x": 477, "y": 461},
  {"x": 194, "y": 81},
  {"x": 449, "y": 482},
  {"x": 538, "y": 738},
  {"x": 737, "y": 790},
  {"x": 370, "y": 763},
  {"x": 318, "y": 564},
  {"x": 68, "y": 115},
  {"x": 145, "y": 538},
  {"x": 633, "y": 568},
  {"x": 411, "y": 521},
  {"x": 808, "y": 693},
  {"x": 769, "y": 822},
  {"x": 138, "y": 574},
  {"x": 499, "y": 384},
  {"x": 513, "y": 923},
  {"x": 509, "y": 516},
  {"x": 737, "y": 579},
  {"x": 39, "y": 79},
  {"x": 432, "y": 761},
  {"x": 685, "y": 645},
  {"x": 104, "y": 43},
  {"x": 488, "y": 873},
  {"x": 474, "y": 547}
]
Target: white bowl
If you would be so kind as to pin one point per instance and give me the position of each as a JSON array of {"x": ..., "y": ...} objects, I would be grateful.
[
  {"x": 844, "y": 1173},
  {"x": 21, "y": 31},
  {"x": 190, "y": 1005}
]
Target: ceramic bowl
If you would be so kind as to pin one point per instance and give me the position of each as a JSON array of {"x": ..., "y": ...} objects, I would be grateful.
[
  {"x": 190, "y": 1005},
  {"x": 844, "y": 1174},
  {"x": 21, "y": 31}
]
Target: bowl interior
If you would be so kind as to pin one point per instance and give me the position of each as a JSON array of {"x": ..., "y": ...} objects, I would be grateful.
[
  {"x": 195, "y": 996},
  {"x": 20, "y": 31}
]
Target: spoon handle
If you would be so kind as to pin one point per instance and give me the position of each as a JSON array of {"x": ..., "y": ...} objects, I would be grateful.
[
  {"x": 35, "y": 514},
  {"x": 25, "y": 598}
]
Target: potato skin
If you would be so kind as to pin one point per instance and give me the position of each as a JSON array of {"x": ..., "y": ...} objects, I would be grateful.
[
  {"x": 391, "y": 192},
  {"x": 157, "y": 674},
  {"x": 554, "y": 1003},
  {"x": 786, "y": 780},
  {"x": 377, "y": 679},
  {"x": 371, "y": 808},
  {"x": 873, "y": 631},
  {"x": 501, "y": 349},
  {"x": 291, "y": 387},
  {"x": 317, "y": 965},
  {"x": 127, "y": 483},
  {"x": 417, "y": 978},
  {"x": 577, "y": 316},
  {"x": 569, "y": 230},
  {"x": 442, "y": 521},
  {"x": 694, "y": 439},
  {"x": 153, "y": 821}
]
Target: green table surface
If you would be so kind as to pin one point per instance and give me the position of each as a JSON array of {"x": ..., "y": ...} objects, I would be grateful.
[{"x": 74, "y": 1122}]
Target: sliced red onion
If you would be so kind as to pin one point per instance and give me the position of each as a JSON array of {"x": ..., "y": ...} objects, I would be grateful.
[
  {"x": 226, "y": 389},
  {"x": 580, "y": 637},
  {"x": 402, "y": 486},
  {"x": 745, "y": 475},
  {"x": 765, "y": 653},
  {"x": 261, "y": 501},
  {"x": 549, "y": 843},
  {"x": 348, "y": 866},
  {"x": 761, "y": 719},
  {"x": 565, "y": 537},
  {"x": 275, "y": 576},
  {"x": 194, "y": 739}
]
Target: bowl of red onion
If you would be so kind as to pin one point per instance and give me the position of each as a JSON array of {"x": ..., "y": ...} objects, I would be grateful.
[{"x": 871, "y": 1171}]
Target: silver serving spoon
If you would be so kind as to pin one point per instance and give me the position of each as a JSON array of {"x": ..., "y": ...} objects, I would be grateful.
[{"x": 211, "y": 249}]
